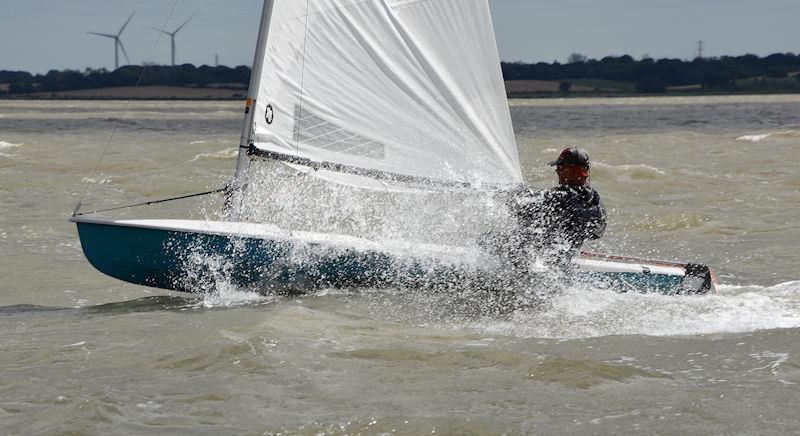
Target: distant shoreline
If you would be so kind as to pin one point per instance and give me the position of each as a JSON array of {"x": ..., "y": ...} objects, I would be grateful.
[
  {"x": 522, "y": 89},
  {"x": 140, "y": 93}
]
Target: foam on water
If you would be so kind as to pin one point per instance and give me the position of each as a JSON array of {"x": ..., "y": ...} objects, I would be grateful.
[
  {"x": 583, "y": 312},
  {"x": 102, "y": 181},
  {"x": 754, "y": 138}
]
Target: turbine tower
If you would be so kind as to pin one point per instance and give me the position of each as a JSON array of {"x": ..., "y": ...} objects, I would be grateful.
[
  {"x": 173, "y": 33},
  {"x": 117, "y": 42}
]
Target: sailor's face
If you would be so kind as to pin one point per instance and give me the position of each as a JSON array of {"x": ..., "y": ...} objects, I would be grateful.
[{"x": 572, "y": 175}]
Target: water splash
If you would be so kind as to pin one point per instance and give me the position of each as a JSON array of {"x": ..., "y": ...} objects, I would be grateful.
[
  {"x": 211, "y": 277},
  {"x": 300, "y": 201},
  {"x": 228, "y": 295},
  {"x": 548, "y": 310},
  {"x": 583, "y": 312}
]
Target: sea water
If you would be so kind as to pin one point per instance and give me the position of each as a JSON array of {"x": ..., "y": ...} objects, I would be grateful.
[{"x": 702, "y": 179}]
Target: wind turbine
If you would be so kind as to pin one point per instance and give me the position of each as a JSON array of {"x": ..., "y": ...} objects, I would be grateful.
[
  {"x": 173, "y": 33},
  {"x": 117, "y": 42}
]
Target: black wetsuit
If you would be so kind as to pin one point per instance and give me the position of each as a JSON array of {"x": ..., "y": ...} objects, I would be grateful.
[{"x": 556, "y": 222}]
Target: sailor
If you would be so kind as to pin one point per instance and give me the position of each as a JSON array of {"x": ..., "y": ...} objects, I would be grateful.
[{"x": 553, "y": 224}]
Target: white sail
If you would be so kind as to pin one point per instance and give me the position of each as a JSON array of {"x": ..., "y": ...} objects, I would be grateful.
[{"x": 410, "y": 87}]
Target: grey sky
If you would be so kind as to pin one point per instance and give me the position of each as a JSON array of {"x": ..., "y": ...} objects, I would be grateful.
[{"x": 37, "y": 35}]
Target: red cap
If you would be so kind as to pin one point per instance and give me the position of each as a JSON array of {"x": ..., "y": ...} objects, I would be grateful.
[{"x": 572, "y": 156}]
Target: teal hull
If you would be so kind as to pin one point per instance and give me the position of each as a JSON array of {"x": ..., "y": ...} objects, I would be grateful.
[{"x": 190, "y": 261}]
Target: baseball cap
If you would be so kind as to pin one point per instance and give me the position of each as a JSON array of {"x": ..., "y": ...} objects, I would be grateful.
[{"x": 572, "y": 156}]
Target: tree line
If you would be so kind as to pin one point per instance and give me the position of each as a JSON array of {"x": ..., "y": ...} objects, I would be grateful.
[
  {"x": 778, "y": 71},
  {"x": 179, "y": 75},
  {"x": 653, "y": 76}
]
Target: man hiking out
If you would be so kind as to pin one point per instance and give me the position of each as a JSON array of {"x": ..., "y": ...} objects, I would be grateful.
[{"x": 553, "y": 224}]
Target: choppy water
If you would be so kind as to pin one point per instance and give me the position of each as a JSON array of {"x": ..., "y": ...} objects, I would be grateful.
[{"x": 703, "y": 179}]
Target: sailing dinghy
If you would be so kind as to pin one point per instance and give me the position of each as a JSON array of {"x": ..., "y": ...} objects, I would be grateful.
[{"x": 386, "y": 91}]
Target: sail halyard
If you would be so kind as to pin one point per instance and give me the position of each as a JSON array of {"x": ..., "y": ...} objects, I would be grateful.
[
  {"x": 390, "y": 87},
  {"x": 243, "y": 160}
]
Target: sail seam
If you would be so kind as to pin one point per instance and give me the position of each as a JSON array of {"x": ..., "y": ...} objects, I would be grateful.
[{"x": 302, "y": 75}]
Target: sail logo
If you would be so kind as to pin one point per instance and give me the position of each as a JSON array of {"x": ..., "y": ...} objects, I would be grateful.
[{"x": 269, "y": 114}]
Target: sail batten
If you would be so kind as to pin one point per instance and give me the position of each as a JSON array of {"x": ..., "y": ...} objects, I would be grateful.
[{"x": 409, "y": 87}]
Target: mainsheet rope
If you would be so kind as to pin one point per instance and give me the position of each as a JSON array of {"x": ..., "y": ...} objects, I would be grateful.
[{"x": 76, "y": 212}]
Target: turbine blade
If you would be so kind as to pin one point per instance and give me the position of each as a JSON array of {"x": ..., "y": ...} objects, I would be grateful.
[
  {"x": 126, "y": 24},
  {"x": 157, "y": 29},
  {"x": 184, "y": 24},
  {"x": 123, "y": 51},
  {"x": 102, "y": 34}
]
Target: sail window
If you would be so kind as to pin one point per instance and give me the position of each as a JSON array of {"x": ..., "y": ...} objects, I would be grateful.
[{"x": 313, "y": 130}]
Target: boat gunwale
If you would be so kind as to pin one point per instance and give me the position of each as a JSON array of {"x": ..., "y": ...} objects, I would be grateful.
[{"x": 275, "y": 233}]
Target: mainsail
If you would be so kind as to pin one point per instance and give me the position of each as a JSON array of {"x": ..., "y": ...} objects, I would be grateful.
[{"x": 410, "y": 87}]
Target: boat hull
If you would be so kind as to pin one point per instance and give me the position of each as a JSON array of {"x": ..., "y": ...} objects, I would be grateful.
[
  {"x": 190, "y": 261},
  {"x": 189, "y": 256}
]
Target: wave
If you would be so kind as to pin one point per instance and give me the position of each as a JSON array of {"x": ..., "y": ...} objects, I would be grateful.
[
  {"x": 6, "y": 145},
  {"x": 671, "y": 222},
  {"x": 227, "y": 154},
  {"x": 762, "y": 136},
  {"x": 626, "y": 172}
]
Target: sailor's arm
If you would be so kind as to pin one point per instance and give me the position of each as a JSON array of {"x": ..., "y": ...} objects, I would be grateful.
[
  {"x": 597, "y": 219},
  {"x": 524, "y": 201}
]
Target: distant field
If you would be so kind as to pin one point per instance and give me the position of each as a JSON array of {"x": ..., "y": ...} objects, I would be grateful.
[
  {"x": 604, "y": 85},
  {"x": 697, "y": 87},
  {"x": 523, "y": 87}
]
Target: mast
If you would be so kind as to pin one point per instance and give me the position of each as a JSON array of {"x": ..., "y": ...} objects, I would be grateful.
[{"x": 243, "y": 162}]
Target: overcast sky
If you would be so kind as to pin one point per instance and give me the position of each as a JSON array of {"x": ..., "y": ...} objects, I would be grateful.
[{"x": 37, "y": 35}]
